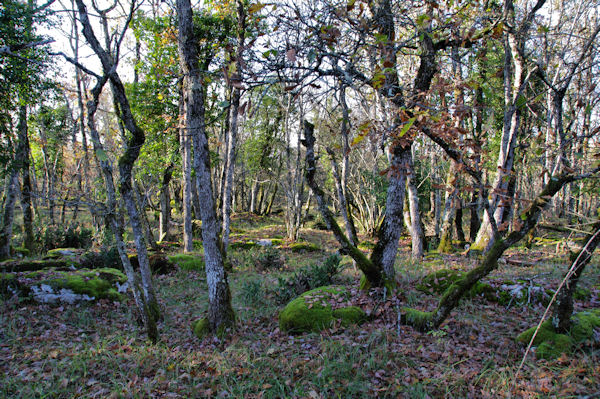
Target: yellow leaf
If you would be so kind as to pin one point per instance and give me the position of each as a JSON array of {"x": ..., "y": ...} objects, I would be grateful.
[
  {"x": 357, "y": 139},
  {"x": 256, "y": 7}
]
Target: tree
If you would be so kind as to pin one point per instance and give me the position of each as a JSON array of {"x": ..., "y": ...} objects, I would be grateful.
[{"x": 220, "y": 312}]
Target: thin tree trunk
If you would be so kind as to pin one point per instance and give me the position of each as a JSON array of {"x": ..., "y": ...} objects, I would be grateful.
[
  {"x": 416, "y": 229},
  {"x": 235, "y": 114},
  {"x": 220, "y": 312},
  {"x": 563, "y": 309},
  {"x": 186, "y": 163},
  {"x": 126, "y": 163},
  {"x": 28, "y": 240},
  {"x": 165, "y": 204}
]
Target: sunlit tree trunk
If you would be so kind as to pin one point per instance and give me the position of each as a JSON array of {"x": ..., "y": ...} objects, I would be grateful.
[{"x": 220, "y": 312}]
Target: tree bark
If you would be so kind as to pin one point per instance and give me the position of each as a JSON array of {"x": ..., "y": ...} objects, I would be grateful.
[
  {"x": 416, "y": 230},
  {"x": 165, "y": 204},
  {"x": 563, "y": 309},
  {"x": 220, "y": 312},
  {"x": 23, "y": 152},
  {"x": 233, "y": 133},
  {"x": 126, "y": 163}
]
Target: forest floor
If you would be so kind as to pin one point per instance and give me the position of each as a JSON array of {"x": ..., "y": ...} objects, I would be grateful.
[{"x": 98, "y": 351}]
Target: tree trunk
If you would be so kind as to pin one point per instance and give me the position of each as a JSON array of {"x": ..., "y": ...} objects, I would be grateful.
[
  {"x": 126, "y": 162},
  {"x": 449, "y": 210},
  {"x": 373, "y": 273},
  {"x": 186, "y": 163},
  {"x": 9, "y": 213},
  {"x": 141, "y": 206},
  {"x": 165, "y": 204},
  {"x": 416, "y": 229},
  {"x": 23, "y": 154},
  {"x": 235, "y": 114},
  {"x": 563, "y": 309},
  {"x": 220, "y": 312}
]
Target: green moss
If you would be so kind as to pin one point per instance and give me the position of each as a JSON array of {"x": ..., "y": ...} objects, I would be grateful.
[
  {"x": 350, "y": 315},
  {"x": 365, "y": 284},
  {"x": 439, "y": 281},
  {"x": 276, "y": 241},
  {"x": 21, "y": 251},
  {"x": 445, "y": 245},
  {"x": 551, "y": 345},
  {"x": 243, "y": 245},
  {"x": 554, "y": 347},
  {"x": 545, "y": 333},
  {"x": 583, "y": 324},
  {"x": 304, "y": 246},
  {"x": 58, "y": 253},
  {"x": 188, "y": 262},
  {"x": 312, "y": 311},
  {"x": 32, "y": 265},
  {"x": 98, "y": 283},
  {"x": 582, "y": 294},
  {"x": 201, "y": 328},
  {"x": 366, "y": 246},
  {"x": 417, "y": 318}
]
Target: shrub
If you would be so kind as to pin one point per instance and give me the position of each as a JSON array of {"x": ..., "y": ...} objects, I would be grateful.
[
  {"x": 54, "y": 236},
  {"x": 269, "y": 258},
  {"x": 252, "y": 292},
  {"x": 308, "y": 278},
  {"x": 108, "y": 257}
]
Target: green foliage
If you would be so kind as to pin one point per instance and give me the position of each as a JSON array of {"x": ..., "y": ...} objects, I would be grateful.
[
  {"x": 307, "y": 278},
  {"x": 56, "y": 236},
  {"x": 109, "y": 257},
  {"x": 269, "y": 258},
  {"x": 252, "y": 291}
]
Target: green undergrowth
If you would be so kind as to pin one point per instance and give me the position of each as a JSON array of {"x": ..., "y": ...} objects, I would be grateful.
[{"x": 188, "y": 262}]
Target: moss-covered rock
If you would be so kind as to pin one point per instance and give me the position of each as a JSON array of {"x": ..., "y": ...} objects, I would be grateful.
[
  {"x": 304, "y": 246},
  {"x": 243, "y": 245},
  {"x": 27, "y": 265},
  {"x": 58, "y": 253},
  {"x": 417, "y": 318},
  {"x": 551, "y": 344},
  {"x": 72, "y": 286},
  {"x": 188, "y": 262},
  {"x": 201, "y": 328},
  {"x": 313, "y": 311},
  {"x": 439, "y": 281},
  {"x": 583, "y": 325},
  {"x": 20, "y": 252}
]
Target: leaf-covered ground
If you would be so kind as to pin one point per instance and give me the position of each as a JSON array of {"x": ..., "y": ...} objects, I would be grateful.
[{"x": 98, "y": 351}]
